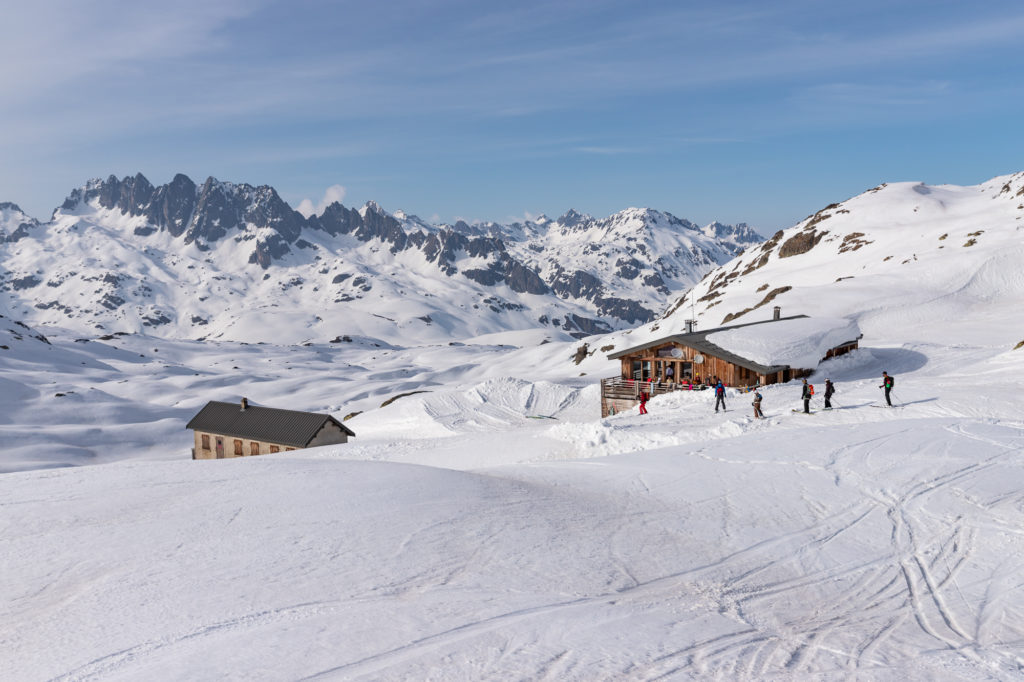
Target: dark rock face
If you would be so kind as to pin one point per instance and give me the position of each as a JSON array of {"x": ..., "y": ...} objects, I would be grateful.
[
  {"x": 376, "y": 224},
  {"x": 625, "y": 309},
  {"x": 800, "y": 243},
  {"x": 173, "y": 205},
  {"x": 577, "y": 285},
  {"x": 26, "y": 282},
  {"x": 585, "y": 326},
  {"x": 215, "y": 214}
]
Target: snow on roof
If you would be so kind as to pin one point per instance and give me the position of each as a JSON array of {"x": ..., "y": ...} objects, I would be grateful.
[{"x": 799, "y": 342}]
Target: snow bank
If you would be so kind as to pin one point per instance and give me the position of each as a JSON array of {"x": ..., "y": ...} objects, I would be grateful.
[{"x": 802, "y": 342}]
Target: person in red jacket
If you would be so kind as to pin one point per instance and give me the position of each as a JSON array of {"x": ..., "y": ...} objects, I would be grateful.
[{"x": 643, "y": 403}]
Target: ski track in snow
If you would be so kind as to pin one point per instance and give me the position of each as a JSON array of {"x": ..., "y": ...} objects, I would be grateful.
[{"x": 749, "y": 606}]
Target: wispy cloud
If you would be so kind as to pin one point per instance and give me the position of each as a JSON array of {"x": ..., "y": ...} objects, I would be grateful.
[
  {"x": 333, "y": 194},
  {"x": 59, "y": 41}
]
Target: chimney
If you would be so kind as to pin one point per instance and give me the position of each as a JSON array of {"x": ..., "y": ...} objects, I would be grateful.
[
  {"x": 689, "y": 326},
  {"x": 245, "y": 404},
  {"x": 777, "y": 313}
]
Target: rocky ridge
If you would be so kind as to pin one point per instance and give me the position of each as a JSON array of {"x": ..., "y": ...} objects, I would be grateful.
[{"x": 152, "y": 254}]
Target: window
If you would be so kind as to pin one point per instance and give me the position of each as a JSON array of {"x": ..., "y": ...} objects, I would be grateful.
[
  {"x": 206, "y": 442},
  {"x": 238, "y": 448},
  {"x": 274, "y": 448},
  {"x": 254, "y": 448}
]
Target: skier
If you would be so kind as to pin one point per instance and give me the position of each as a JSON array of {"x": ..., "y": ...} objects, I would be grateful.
[
  {"x": 757, "y": 405},
  {"x": 806, "y": 395},
  {"x": 887, "y": 384},
  {"x": 643, "y": 403},
  {"x": 829, "y": 390},
  {"x": 719, "y": 396}
]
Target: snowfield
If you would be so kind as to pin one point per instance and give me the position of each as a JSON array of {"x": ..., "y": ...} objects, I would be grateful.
[{"x": 486, "y": 523}]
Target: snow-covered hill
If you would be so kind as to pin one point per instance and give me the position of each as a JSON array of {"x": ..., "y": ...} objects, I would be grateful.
[
  {"x": 901, "y": 254},
  {"x": 233, "y": 261}
]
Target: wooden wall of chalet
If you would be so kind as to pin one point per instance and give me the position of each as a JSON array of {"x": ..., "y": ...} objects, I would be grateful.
[
  {"x": 654, "y": 361},
  {"x": 618, "y": 396}
]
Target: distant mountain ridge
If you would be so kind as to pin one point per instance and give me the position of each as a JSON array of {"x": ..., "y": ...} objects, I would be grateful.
[{"x": 139, "y": 241}]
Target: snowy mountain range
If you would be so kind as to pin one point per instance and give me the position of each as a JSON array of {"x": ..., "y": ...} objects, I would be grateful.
[{"x": 232, "y": 261}]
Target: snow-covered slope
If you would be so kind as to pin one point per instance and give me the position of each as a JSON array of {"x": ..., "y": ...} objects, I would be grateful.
[
  {"x": 233, "y": 261},
  {"x": 899, "y": 255}
]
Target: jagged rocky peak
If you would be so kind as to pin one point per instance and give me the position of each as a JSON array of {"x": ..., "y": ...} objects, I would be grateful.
[
  {"x": 371, "y": 207},
  {"x": 10, "y": 212},
  {"x": 572, "y": 218},
  {"x": 202, "y": 214},
  {"x": 15, "y": 224}
]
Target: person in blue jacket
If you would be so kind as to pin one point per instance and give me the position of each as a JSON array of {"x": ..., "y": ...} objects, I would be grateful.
[{"x": 719, "y": 396}]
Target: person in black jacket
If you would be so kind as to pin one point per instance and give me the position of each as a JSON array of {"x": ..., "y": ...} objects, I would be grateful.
[
  {"x": 887, "y": 384},
  {"x": 806, "y": 395},
  {"x": 829, "y": 390}
]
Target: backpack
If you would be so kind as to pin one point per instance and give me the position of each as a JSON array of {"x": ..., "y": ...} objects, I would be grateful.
[{"x": 810, "y": 388}]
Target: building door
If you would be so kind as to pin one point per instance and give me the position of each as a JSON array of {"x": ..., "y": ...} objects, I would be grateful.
[{"x": 220, "y": 448}]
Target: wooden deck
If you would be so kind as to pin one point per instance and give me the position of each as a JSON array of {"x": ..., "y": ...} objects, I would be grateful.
[{"x": 620, "y": 395}]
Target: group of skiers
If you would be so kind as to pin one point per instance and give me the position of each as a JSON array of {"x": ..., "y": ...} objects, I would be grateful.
[{"x": 807, "y": 392}]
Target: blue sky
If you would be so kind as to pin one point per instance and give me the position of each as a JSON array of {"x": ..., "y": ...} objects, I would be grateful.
[{"x": 761, "y": 112}]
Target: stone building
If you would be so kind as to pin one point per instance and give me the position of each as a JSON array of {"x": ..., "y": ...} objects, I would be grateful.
[{"x": 224, "y": 430}]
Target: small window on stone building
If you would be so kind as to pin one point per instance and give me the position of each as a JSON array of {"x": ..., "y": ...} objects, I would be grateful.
[
  {"x": 274, "y": 448},
  {"x": 289, "y": 449},
  {"x": 254, "y": 448},
  {"x": 238, "y": 448},
  {"x": 206, "y": 442}
]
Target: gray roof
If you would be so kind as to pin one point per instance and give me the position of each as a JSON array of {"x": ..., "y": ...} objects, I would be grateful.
[
  {"x": 265, "y": 424},
  {"x": 698, "y": 341}
]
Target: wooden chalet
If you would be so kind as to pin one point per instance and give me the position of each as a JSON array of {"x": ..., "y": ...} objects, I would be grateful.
[
  {"x": 225, "y": 430},
  {"x": 689, "y": 360}
]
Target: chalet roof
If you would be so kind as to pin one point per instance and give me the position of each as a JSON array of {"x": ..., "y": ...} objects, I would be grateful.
[
  {"x": 266, "y": 424},
  {"x": 699, "y": 342}
]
